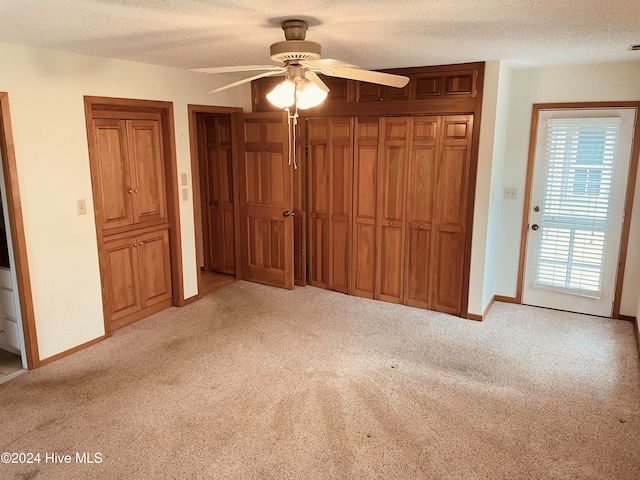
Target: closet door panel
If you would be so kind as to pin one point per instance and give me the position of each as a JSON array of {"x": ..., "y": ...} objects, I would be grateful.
[
  {"x": 421, "y": 189},
  {"x": 145, "y": 151},
  {"x": 448, "y": 271},
  {"x": 121, "y": 279},
  {"x": 417, "y": 292},
  {"x": 228, "y": 258},
  {"x": 318, "y": 168},
  {"x": 451, "y": 212},
  {"x": 155, "y": 267},
  {"x": 340, "y": 189},
  {"x": 364, "y": 253},
  {"x": 365, "y": 184},
  {"x": 111, "y": 172},
  {"x": 391, "y": 201}
]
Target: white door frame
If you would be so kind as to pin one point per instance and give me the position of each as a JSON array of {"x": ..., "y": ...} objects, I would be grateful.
[{"x": 635, "y": 152}]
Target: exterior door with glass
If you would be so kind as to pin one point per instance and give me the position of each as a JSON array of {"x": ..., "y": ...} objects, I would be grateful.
[{"x": 576, "y": 211}]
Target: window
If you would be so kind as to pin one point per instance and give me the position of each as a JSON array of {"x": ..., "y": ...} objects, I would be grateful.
[{"x": 576, "y": 203}]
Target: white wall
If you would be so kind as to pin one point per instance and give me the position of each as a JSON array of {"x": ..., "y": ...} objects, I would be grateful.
[
  {"x": 46, "y": 91},
  {"x": 493, "y": 130},
  {"x": 583, "y": 83}
]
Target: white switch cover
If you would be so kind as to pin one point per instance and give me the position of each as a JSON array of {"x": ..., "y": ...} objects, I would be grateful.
[
  {"x": 183, "y": 178},
  {"x": 510, "y": 193},
  {"x": 185, "y": 194},
  {"x": 81, "y": 206}
]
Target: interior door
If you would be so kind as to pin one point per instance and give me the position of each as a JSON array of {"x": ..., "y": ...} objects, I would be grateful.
[
  {"x": 578, "y": 191},
  {"x": 265, "y": 178}
]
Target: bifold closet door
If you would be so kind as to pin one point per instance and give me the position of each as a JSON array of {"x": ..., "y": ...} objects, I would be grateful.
[
  {"x": 390, "y": 218},
  {"x": 451, "y": 213},
  {"x": 365, "y": 201},
  {"x": 330, "y": 159},
  {"x": 437, "y": 196},
  {"x": 421, "y": 191}
]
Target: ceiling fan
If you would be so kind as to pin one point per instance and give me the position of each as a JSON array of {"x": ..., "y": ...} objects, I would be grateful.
[{"x": 302, "y": 64}]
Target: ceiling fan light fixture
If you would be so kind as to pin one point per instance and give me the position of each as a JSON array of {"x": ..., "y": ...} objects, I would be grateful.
[
  {"x": 309, "y": 95},
  {"x": 282, "y": 96}
]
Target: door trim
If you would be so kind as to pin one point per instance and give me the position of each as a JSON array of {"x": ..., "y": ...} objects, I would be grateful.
[
  {"x": 19, "y": 243},
  {"x": 631, "y": 182},
  {"x": 234, "y": 113},
  {"x": 165, "y": 110}
]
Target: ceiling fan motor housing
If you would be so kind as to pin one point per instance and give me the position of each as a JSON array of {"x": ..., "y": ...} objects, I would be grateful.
[
  {"x": 295, "y": 50},
  {"x": 295, "y": 47}
]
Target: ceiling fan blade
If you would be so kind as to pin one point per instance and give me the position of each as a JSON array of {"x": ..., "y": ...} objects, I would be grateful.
[
  {"x": 280, "y": 71},
  {"x": 388, "y": 79},
  {"x": 326, "y": 63},
  {"x": 312, "y": 77},
  {"x": 239, "y": 68}
]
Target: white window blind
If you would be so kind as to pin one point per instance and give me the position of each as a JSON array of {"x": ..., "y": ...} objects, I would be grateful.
[{"x": 576, "y": 203}]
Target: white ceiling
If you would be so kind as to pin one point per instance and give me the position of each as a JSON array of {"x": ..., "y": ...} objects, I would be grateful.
[{"x": 368, "y": 33}]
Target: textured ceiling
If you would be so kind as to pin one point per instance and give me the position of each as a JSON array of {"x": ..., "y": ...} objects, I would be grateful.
[{"x": 368, "y": 33}]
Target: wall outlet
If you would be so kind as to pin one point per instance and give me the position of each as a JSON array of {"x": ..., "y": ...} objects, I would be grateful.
[
  {"x": 510, "y": 193},
  {"x": 81, "y": 206},
  {"x": 185, "y": 194}
]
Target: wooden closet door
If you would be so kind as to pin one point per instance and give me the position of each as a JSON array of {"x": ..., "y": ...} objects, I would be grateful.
[
  {"x": 147, "y": 172},
  {"x": 421, "y": 193},
  {"x": 154, "y": 267},
  {"x": 340, "y": 194},
  {"x": 451, "y": 213},
  {"x": 112, "y": 181},
  {"x": 266, "y": 201},
  {"x": 391, "y": 208},
  {"x": 217, "y": 187},
  {"x": 330, "y": 192},
  {"x": 210, "y": 181},
  {"x": 121, "y": 285},
  {"x": 365, "y": 191},
  {"x": 318, "y": 194},
  {"x": 227, "y": 194}
]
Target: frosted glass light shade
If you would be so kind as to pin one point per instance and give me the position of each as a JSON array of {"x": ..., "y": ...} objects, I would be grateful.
[
  {"x": 310, "y": 95},
  {"x": 282, "y": 96}
]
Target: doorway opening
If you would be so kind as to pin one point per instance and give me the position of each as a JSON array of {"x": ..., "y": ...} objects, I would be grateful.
[
  {"x": 214, "y": 150},
  {"x": 18, "y": 343}
]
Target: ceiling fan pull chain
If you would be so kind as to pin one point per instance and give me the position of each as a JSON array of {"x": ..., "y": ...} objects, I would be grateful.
[
  {"x": 293, "y": 144},
  {"x": 292, "y": 121}
]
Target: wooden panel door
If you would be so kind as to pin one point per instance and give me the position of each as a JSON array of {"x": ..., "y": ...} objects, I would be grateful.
[
  {"x": 451, "y": 213},
  {"x": 340, "y": 195},
  {"x": 145, "y": 154},
  {"x": 300, "y": 211},
  {"x": 154, "y": 267},
  {"x": 266, "y": 201},
  {"x": 421, "y": 191},
  {"x": 318, "y": 194},
  {"x": 391, "y": 208},
  {"x": 216, "y": 182},
  {"x": 365, "y": 192},
  {"x": 121, "y": 284},
  {"x": 111, "y": 174},
  {"x": 330, "y": 192}
]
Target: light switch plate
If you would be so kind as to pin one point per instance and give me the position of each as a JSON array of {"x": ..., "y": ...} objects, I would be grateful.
[
  {"x": 183, "y": 178},
  {"x": 81, "y": 207},
  {"x": 510, "y": 193},
  {"x": 185, "y": 194}
]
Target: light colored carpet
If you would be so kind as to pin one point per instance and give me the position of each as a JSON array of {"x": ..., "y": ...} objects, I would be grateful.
[{"x": 257, "y": 382}]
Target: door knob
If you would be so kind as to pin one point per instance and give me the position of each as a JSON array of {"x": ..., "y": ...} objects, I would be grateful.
[
  {"x": 534, "y": 227},
  {"x": 287, "y": 213},
  {"x": 536, "y": 208}
]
